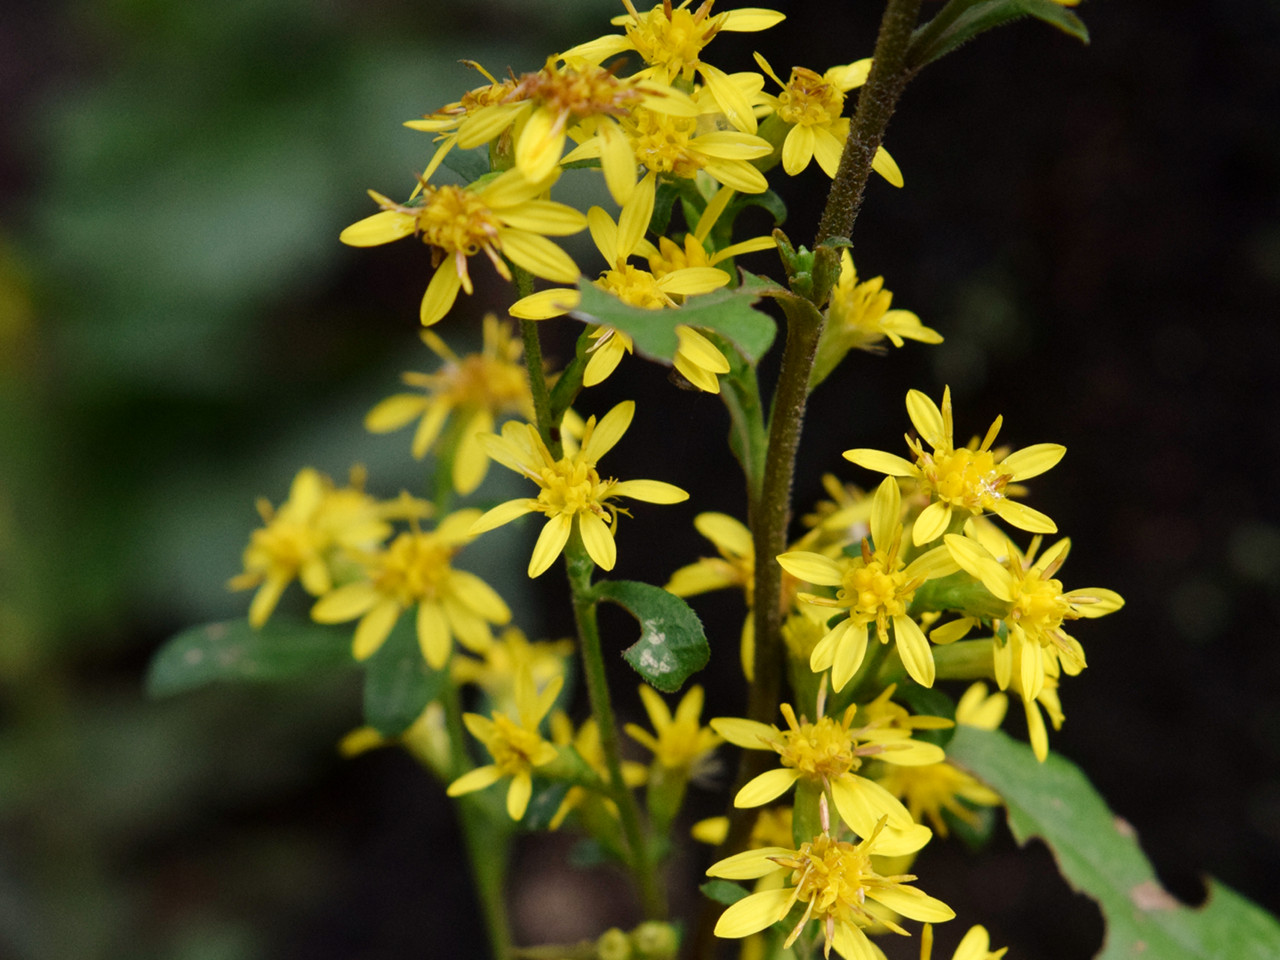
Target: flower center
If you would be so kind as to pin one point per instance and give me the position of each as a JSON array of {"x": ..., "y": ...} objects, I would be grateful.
[
  {"x": 809, "y": 99},
  {"x": 634, "y": 287},
  {"x": 285, "y": 545},
  {"x": 966, "y": 478},
  {"x": 672, "y": 39},
  {"x": 456, "y": 220},
  {"x": 479, "y": 381},
  {"x": 661, "y": 142},
  {"x": 571, "y": 487},
  {"x": 1040, "y": 607},
  {"x": 413, "y": 568},
  {"x": 512, "y": 745},
  {"x": 830, "y": 875},
  {"x": 822, "y": 750},
  {"x": 584, "y": 92}
]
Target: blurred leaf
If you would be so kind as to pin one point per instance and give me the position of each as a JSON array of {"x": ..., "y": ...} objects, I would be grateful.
[
  {"x": 398, "y": 684},
  {"x": 470, "y": 165},
  {"x": 1098, "y": 854},
  {"x": 672, "y": 645},
  {"x": 727, "y": 312},
  {"x": 724, "y": 891},
  {"x": 962, "y": 20},
  {"x": 233, "y": 650}
]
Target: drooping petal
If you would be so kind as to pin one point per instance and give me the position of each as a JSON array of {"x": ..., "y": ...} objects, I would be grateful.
[
  {"x": 797, "y": 149},
  {"x": 753, "y": 913},
  {"x": 441, "y": 293},
  {"x": 598, "y": 540},
  {"x": 518, "y": 794},
  {"x": 887, "y": 167},
  {"x": 373, "y": 629},
  {"x": 550, "y": 542},
  {"x": 849, "y": 653}
]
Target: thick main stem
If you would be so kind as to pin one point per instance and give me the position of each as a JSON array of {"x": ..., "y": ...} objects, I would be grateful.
[{"x": 876, "y": 103}]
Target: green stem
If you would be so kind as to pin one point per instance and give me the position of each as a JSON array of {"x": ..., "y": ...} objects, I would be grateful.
[
  {"x": 533, "y": 363},
  {"x": 876, "y": 103},
  {"x": 487, "y": 849},
  {"x": 579, "y": 567}
]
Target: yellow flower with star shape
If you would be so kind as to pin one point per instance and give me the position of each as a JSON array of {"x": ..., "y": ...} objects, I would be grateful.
[
  {"x": 679, "y": 741},
  {"x": 514, "y": 743},
  {"x": 811, "y": 104},
  {"x": 696, "y": 358},
  {"x": 502, "y": 217},
  {"x": 875, "y": 588},
  {"x": 834, "y": 880},
  {"x": 827, "y": 753},
  {"x": 478, "y": 387},
  {"x": 415, "y": 570},
  {"x": 1038, "y": 606},
  {"x": 962, "y": 479},
  {"x": 572, "y": 492}
]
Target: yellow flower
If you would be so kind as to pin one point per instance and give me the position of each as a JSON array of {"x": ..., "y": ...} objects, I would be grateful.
[
  {"x": 859, "y": 318},
  {"x": 572, "y": 491},
  {"x": 502, "y": 218},
  {"x": 976, "y": 709},
  {"x": 506, "y": 658},
  {"x": 415, "y": 570},
  {"x": 827, "y": 753},
  {"x": 697, "y": 358},
  {"x": 976, "y": 944},
  {"x": 930, "y": 789},
  {"x": 963, "y": 479},
  {"x": 427, "y": 739},
  {"x": 682, "y": 743},
  {"x": 449, "y": 119},
  {"x": 876, "y": 587},
  {"x": 735, "y": 567},
  {"x": 812, "y": 104},
  {"x": 586, "y": 742},
  {"x": 306, "y": 537},
  {"x": 834, "y": 880},
  {"x": 1038, "y": 605},
  {"x": 671, "y": 39},
  {"x": 514, "y": 743},
  {"x": 479, "y": 387}
]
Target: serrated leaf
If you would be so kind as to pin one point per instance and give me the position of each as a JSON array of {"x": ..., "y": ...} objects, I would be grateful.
[
  {"x": 672, "y": 645},
  {"x": 930, "y": 41},
  {"x": 1098, "y": 854},
  {"x": 724, "y": 891},
  {"x": 232, "y": 650},
  {"x": 398, "y": 684},
  {"x": 728, "y": 312}
]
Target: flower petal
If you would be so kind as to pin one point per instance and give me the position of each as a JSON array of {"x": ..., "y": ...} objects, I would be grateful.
[
  {"x": 881, "y": 462},
  {"x": 812, "y": 567},
  {"x": 650, "y": 491},
  {"x": 754, "y": 913},
  {"x": 550, "y": 542},
  {"x": 768, "y": 786},
  {"x": 1033, "y": 460},
  {"x": 598, "y": 539}
]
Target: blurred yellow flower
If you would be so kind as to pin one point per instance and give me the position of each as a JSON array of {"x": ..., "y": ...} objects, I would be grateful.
[{"x": 679, "y": 742}]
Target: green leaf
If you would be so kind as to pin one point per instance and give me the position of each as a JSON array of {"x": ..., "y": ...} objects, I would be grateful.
[
  {"x": 727, "y": 312},
  {"x": 470, "y": 165},
  {"x": 724, "y": 891},
  {"x": 398, "y": 684},
  {"x": 962, "y": 20},
  {"x": 672, "y": 646},
  {"x": 1099, "y": 855},
  {"x": 232, "y": 650},
  {"x": 929, "y": 702}
]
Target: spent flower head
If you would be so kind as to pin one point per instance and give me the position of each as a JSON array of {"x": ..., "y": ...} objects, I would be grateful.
[{"x": 572, "y": 494}]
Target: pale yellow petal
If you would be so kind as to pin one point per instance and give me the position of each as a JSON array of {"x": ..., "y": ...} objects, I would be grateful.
[
  {"x": 598, "y": 540},
  {"x": 650, "y": 491},
  {"x": 441, "y": 293},
  {"x": 538, "y": 255},
  {"x": 754, "y": 913},
  {"x": 768, "y": 786},
  {"x": 812, "y": 568},
  {"x": 380, "y": 228},
  {"x": 435, "y": 639}
]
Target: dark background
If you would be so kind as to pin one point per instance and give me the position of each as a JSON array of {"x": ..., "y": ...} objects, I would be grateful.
[{"x": 1093, "y": 229}]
